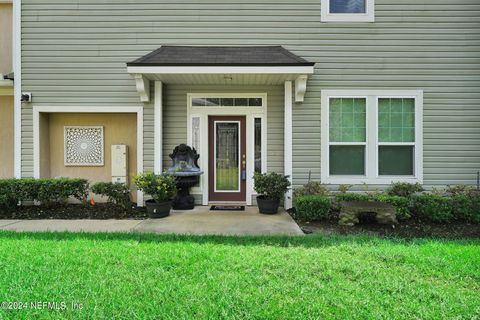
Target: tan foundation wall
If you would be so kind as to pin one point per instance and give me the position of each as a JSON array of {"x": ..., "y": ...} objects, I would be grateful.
[
  {"x": 6, "y": 137},
  {"x": 6, "y": 34},
  {"x": 118, "y": 129}
]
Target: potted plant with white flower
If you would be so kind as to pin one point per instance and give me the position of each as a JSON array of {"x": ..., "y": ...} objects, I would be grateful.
[{"x": 162, "y": 189}]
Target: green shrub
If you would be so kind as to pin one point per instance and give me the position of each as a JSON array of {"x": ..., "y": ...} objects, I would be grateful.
[
  {"x": 52, "y": 191},
  {"x": 8, "y": 193},
  {"x": 311, "y": 188},
  {"x": 343, "y": 188},
  {"x": 161, "y": 188},
  {"x": 117, "y": 193},
  {"x": 402, "y": 205},
  {"x": 459, "y": 189},
  {"x": 352, "y": 196},
  {"x": 272, "y": 186},
  {"x": 312, "y": 208},
  {"x": 404, "y": 189},
  {"x": 45, "y": 191},
  {"x": 466, "y": 207},
  {"x": 432, "y": 207}
]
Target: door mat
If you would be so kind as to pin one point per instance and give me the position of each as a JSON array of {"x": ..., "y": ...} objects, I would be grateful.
[{"x": 227, "y": 208}]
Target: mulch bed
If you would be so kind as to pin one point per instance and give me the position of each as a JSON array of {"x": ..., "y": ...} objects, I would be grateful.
[
  {"x": 75, "y": 211},
  {"x": 405, "y": 229}
]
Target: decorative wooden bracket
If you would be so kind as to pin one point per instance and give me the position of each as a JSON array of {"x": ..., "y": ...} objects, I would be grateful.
[
  {"x": 143, "y": 87},
  {"x": 300, "y": 88}
]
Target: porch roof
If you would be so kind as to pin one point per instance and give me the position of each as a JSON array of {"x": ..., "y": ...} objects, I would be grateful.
[
  {"x": 220, "y": 56},
  {"x": 260, "y": 65}
]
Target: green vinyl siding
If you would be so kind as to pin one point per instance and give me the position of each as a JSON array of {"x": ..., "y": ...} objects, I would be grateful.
[{"x": 74, "y": 53}]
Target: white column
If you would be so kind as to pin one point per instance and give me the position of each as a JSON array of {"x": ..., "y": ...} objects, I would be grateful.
[
  {"x": 158, "y": 128},
  {"x": 288, "y": 158},
  {"x": 140, "y": 152}
]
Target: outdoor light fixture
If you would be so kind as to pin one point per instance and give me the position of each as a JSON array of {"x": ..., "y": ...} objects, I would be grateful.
[{"x": 26, "y": 97}]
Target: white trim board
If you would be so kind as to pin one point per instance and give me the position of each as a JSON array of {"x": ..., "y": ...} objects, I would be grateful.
[
  {"x": 288, "y": 142},
  {"x": 371, "y": 161},
  {"x": 17, "y": 89},
  {"x": 87, "y": 109},
  {"x": 293, "y": 70},
  {"x": 249, "y": 112},
  {"x": 158, "y": 128}
]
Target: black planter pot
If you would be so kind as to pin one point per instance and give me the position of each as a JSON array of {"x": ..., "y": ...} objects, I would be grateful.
[
  {"x": 157, "y": 210},
  {"x": 267, "y": 206}
]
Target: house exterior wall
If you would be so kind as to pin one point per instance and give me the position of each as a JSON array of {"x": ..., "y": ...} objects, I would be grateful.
[
  {"x": 6, "y": 10},
  {"x": 75, "y": 54},
  {"x": 6, "y": 136}
]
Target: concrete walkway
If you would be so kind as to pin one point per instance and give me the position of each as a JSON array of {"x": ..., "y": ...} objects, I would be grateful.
[{"x": 199, "y": 221}]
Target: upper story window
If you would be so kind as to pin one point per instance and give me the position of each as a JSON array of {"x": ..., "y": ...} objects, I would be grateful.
[
  {"x": 348, "y": 10},
  {"x": 371, "y": 136}
]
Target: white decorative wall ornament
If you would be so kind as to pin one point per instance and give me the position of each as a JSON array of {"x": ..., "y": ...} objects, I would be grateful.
[{"x": 84, "y": 146}]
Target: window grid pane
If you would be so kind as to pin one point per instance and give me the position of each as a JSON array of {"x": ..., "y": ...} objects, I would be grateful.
[
  {"x": 227, "y": 102},
  {"x": 347, "y": 160},
  {"x": 396, "y": 120},
  {"x": 348, "y": 6},
  {"x": 347, "y": 120},
  {"x": 396, "y": 160}
]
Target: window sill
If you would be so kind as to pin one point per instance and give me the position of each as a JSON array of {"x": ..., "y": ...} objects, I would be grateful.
[
  {"x": 347, "y": 18},
  {"x": 375, "y": 181}
]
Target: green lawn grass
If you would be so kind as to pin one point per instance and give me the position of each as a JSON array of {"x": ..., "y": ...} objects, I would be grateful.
[{"x": 137, "y": 276}]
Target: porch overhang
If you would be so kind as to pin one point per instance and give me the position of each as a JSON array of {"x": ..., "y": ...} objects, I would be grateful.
[{"x": 221, "y": 66}]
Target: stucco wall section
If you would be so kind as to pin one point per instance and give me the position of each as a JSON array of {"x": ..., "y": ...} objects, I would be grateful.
[
  {"x": 6, "y": 136},
  {"x": 6, "y": 38},
  {"x": 118, "y": 129}
]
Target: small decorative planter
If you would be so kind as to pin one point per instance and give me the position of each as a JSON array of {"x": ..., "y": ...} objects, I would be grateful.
[
  {"x": 267, "y": 206},
  {"x": 157, "y": 210},
  {"x": 270, "y": 188},
  {"x": 161, "y": 188}
]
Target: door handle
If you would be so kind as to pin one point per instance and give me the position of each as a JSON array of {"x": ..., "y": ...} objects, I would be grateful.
[{"x": 244, "y": 172}]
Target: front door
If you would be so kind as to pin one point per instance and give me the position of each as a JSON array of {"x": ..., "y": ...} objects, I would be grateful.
[{"x": 227, "y": 158}]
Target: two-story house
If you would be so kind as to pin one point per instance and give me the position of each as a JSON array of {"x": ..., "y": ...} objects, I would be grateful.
[{"x": 339, "y": 91}]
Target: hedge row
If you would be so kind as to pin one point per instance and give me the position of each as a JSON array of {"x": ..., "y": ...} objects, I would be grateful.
[
  {"x": 425, "y": 206},
  {"x": 15, "y": 192},
  {"x": 45, "y": 191}
]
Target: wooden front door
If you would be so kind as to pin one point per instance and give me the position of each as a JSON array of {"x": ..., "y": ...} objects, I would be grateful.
[{"x": 227, "y": 158}]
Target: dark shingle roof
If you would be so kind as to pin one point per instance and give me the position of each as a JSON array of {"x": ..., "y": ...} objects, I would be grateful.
[{"x": 220, "y": 56}]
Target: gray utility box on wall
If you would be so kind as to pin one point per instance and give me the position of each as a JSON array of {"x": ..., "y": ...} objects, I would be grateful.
[{"x": 120, "y": 163}]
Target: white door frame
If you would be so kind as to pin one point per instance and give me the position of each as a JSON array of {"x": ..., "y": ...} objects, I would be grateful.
[
  {"x": 87, "y": 109},
  {"x": 250, "y": 113}
]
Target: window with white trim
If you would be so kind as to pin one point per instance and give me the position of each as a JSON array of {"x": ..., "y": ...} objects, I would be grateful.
[
  {"x": 348, "y": 11},
  {"x": 371, "y": 136}
]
